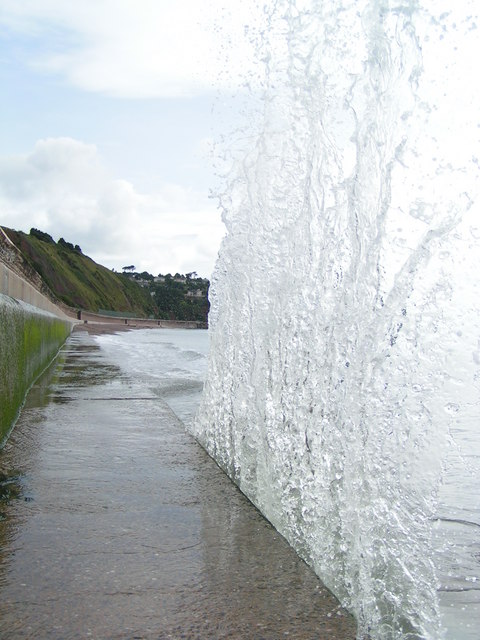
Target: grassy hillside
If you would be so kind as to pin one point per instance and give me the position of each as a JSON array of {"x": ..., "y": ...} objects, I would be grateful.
[{"x": 77, "y": 280}]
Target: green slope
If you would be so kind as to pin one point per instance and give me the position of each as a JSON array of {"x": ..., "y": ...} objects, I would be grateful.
[{"x": 77, "y": 280}]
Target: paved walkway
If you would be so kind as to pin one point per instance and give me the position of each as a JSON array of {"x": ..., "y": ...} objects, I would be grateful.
[{"x": 119, "y": 526}]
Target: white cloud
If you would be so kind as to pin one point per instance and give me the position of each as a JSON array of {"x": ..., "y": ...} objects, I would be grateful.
[
  {"x": 63, "y": 188},
  {"x": 137, "y": 48}
]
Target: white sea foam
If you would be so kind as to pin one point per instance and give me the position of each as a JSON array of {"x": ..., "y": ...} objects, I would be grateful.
[
  {"x": 344, "y": 366},
  {"x": 170, "y": 361}
]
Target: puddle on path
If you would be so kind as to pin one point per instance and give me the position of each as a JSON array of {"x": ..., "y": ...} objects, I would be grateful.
[{"x": 118, "y": 525}]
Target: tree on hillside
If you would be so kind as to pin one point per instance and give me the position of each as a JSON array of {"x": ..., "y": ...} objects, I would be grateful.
[
  {"x": 41, "y": 235},
  {"x": 131, "y": 267},
  {"x": 145, "y": 276},
  {"x": 67, "y": 245}
]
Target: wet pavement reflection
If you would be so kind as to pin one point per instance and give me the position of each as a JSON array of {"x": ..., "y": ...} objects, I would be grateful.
[{"x": 114, "y": 523}]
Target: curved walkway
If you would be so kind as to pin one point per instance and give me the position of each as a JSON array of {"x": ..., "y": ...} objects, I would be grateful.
[{"x": 115, "y": 524}]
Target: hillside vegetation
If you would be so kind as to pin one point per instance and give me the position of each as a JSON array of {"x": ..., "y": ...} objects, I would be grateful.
[
  {"x": 81, "y": 283},
  {"x": 76, "y": 279},
  {"x": 178, "y": 297}
]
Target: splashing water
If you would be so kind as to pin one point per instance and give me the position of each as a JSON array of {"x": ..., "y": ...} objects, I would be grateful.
[{"x": 344, "y": 328}]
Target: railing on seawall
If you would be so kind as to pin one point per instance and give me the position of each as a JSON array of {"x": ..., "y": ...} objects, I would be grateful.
[{"x": 89, "y": 316}]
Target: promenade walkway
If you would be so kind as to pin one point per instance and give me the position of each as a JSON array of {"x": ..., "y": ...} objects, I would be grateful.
[{"x": 114, "y": 524}]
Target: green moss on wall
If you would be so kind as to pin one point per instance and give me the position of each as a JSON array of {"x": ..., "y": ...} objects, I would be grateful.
[{"x": 29, "y": 340}]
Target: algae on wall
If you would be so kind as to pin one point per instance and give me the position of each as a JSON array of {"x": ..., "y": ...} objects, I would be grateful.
[{"x": 29, "y": 340}]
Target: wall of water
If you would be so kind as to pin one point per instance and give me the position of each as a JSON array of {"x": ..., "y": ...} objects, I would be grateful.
[
  {"x": 344, "y": 330},
  {"x": 29, "y": 340}
]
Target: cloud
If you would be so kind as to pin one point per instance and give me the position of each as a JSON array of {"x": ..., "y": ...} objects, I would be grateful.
[
  {"x": 63, "y": 188},
  {"x": 136, "y": 48}
]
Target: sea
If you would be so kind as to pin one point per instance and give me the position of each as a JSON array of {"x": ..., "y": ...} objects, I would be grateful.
[{"x": 171, "y": 362}]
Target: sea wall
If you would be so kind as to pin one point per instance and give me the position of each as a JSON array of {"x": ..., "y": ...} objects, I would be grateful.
[
  {"x": 123, "y": 319},
  {"x": 17, "y": 286},
  {"x": 29, "y": 340}
]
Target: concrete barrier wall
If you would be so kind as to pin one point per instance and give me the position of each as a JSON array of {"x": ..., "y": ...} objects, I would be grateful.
[
  {"x": 88, "y": 316},
  {"x": 29, "y": 340},
  {"x": 13, "y": 285}
]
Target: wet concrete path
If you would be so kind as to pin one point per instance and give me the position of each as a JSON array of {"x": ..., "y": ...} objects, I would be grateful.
[{"x": 114, "y": 523}]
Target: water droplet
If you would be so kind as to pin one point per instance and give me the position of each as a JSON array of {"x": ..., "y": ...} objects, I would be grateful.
[{"x": 451, "y": 408}]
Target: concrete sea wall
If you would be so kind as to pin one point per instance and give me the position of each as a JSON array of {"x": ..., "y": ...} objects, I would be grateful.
[
  {"x": 12, "y": 284},
  {"x": 122, "y": 320},
  {"x": 30, "y": 337}
]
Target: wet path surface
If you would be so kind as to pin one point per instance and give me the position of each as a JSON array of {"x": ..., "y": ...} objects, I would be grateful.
[{"x": 114, "y": 523}]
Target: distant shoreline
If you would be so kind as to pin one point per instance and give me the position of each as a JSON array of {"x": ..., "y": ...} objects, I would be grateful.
[{"x": 100, "y": 328}]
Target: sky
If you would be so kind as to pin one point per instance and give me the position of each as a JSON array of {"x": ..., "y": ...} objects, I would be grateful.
[
  {"x": 107, "y": 124},
  {"x": 110, "y": 111}
]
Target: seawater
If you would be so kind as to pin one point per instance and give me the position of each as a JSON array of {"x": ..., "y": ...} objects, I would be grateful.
[
  {"x": 171, "y": 362},
  {"x": 342, "y": 392}
]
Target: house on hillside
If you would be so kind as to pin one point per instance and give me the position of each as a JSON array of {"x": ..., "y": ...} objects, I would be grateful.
[{"x": 197, "y": 293}]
